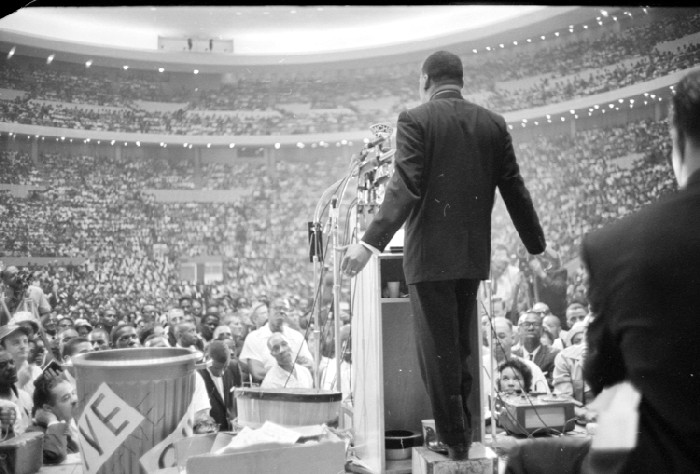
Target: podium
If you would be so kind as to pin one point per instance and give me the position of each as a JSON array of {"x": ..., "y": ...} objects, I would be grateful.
[{"x": 388, "y": 391}]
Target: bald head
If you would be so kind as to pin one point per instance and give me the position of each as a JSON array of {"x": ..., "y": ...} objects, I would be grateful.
[
  {"x": 552, "y": 324},
  {"x": 504, "y": 338}
]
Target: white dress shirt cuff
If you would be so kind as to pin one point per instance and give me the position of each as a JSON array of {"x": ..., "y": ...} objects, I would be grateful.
[{"x": 371, "y": 248}]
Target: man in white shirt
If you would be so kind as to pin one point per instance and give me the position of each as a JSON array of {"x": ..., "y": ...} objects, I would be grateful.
[
  {"x": 285, "y": 373},
  {"x": 256, "y": 354},
  {"x": 329, "y": 378}
]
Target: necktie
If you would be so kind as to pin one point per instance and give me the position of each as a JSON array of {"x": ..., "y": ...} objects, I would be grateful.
[{"x": 531, "y": 355}]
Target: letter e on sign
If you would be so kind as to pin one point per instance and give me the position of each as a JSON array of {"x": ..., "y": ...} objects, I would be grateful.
[{"x": 104, "y": 425}]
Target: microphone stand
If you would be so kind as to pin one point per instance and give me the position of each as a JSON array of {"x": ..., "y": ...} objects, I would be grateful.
[
  {"x": 337, "y": 252},
  {"x": 336, "y": 298},
  {"x": 317, "y": 259}
]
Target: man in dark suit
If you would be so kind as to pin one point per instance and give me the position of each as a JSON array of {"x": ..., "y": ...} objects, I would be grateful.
[
  {"x": 451, "y": 156},
  {"x": 220, "y": 377},
  {"x": 531, "y": 348},
  {"x": 644, "y": 290}
]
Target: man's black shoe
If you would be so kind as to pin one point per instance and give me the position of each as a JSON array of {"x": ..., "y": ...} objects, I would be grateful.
[
  {"x": 438, "y": 447},
  {"x": 458, "y": 453}
]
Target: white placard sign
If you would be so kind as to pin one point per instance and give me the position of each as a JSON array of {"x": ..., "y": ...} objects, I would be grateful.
[
  {"x": 104, "y": 425},
  {"x": 162, "y": 455}
]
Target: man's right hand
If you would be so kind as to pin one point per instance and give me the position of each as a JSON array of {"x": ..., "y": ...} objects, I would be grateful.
[
  {"x": 549, "y": 259},
  {"x": 45, "y": 417},
  {"x": 355, "y": 259}
]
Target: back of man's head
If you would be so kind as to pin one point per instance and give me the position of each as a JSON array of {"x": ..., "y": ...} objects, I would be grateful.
[
  {"x": 43, "y": 391},
  {"x": 219, "y": 352},
  {"x": 443, "y": 67},
  {"x": 551, "y": 320},
  {"x": 73, "y": 346},
  {"x": 685, "y": 108}
]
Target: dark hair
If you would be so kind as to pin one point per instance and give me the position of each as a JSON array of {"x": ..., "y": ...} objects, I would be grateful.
[
  {"x": 69, "y": 346},
  {"x": 521, "y": 367},
  {"x": 219, "y": 351},
  {"x": 143, "y": 335},
  {"x": 443, "y": 67},
  {"x": 42, "y": 391},
  {"x": 685, "y": 108},
  {"x": 101, "y": 329},
  {"x": 116, "y": 330}
]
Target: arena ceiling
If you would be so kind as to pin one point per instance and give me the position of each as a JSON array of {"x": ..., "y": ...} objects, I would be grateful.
[{"x": 270, "y": 30}]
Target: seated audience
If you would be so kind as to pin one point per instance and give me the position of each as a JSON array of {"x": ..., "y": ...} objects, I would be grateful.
[
  {"x": 82, "y": 326},
  {"x": 156, "y": 340},
  {"x": 256, "y": 355},
  {"x": 125, "y": 337},
  {"x": 501, "y": 352},
  {"x": 568, "y": 372},
  {"x": 220, "y": 377},
  {"x": 285, "y": 373},
  {"x": 552, "y": 324},
  {"x": 15, "y": 340},
  {"x": 530, "y": 346},
  {"x": 329, "y": 379},
  {"x": 514, "y": 377},
  {"x": 99, "y": 338}
]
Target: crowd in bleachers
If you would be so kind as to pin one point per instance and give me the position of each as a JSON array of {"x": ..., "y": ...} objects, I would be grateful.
[
  {"x": 98, "y": 207},
  {"x": 567, "y": 68}
]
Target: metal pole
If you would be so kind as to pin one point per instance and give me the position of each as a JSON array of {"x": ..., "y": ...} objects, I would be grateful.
[
  {"x": 317, "y": 325},
  {"x": 492, "y": 355},
  {"x": 336, "y": 294}
]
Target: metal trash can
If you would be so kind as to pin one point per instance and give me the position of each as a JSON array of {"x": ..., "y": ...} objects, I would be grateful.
[{"x": 132, "y": 404}]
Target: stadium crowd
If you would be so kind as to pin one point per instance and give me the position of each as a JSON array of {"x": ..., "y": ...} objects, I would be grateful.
[
  {"x": 568, "y": 67},
  {"x": 100, "y": 207},
  {"x": 129, "y": 290}
]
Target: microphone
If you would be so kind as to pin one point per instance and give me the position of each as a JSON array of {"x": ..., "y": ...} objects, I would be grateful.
[
  {"x": 386, "y": 157},
  {"x": 380, "y": 160},
  {"x": 377, "y": 141}
]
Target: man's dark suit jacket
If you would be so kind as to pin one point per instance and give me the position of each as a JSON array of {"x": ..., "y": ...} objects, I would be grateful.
[
  {"x": 544, "y": 359},
  {"x": 644, "y": 290},
  {"x": 222, "y": 409},
  {"x": 451, "y": 155}
]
